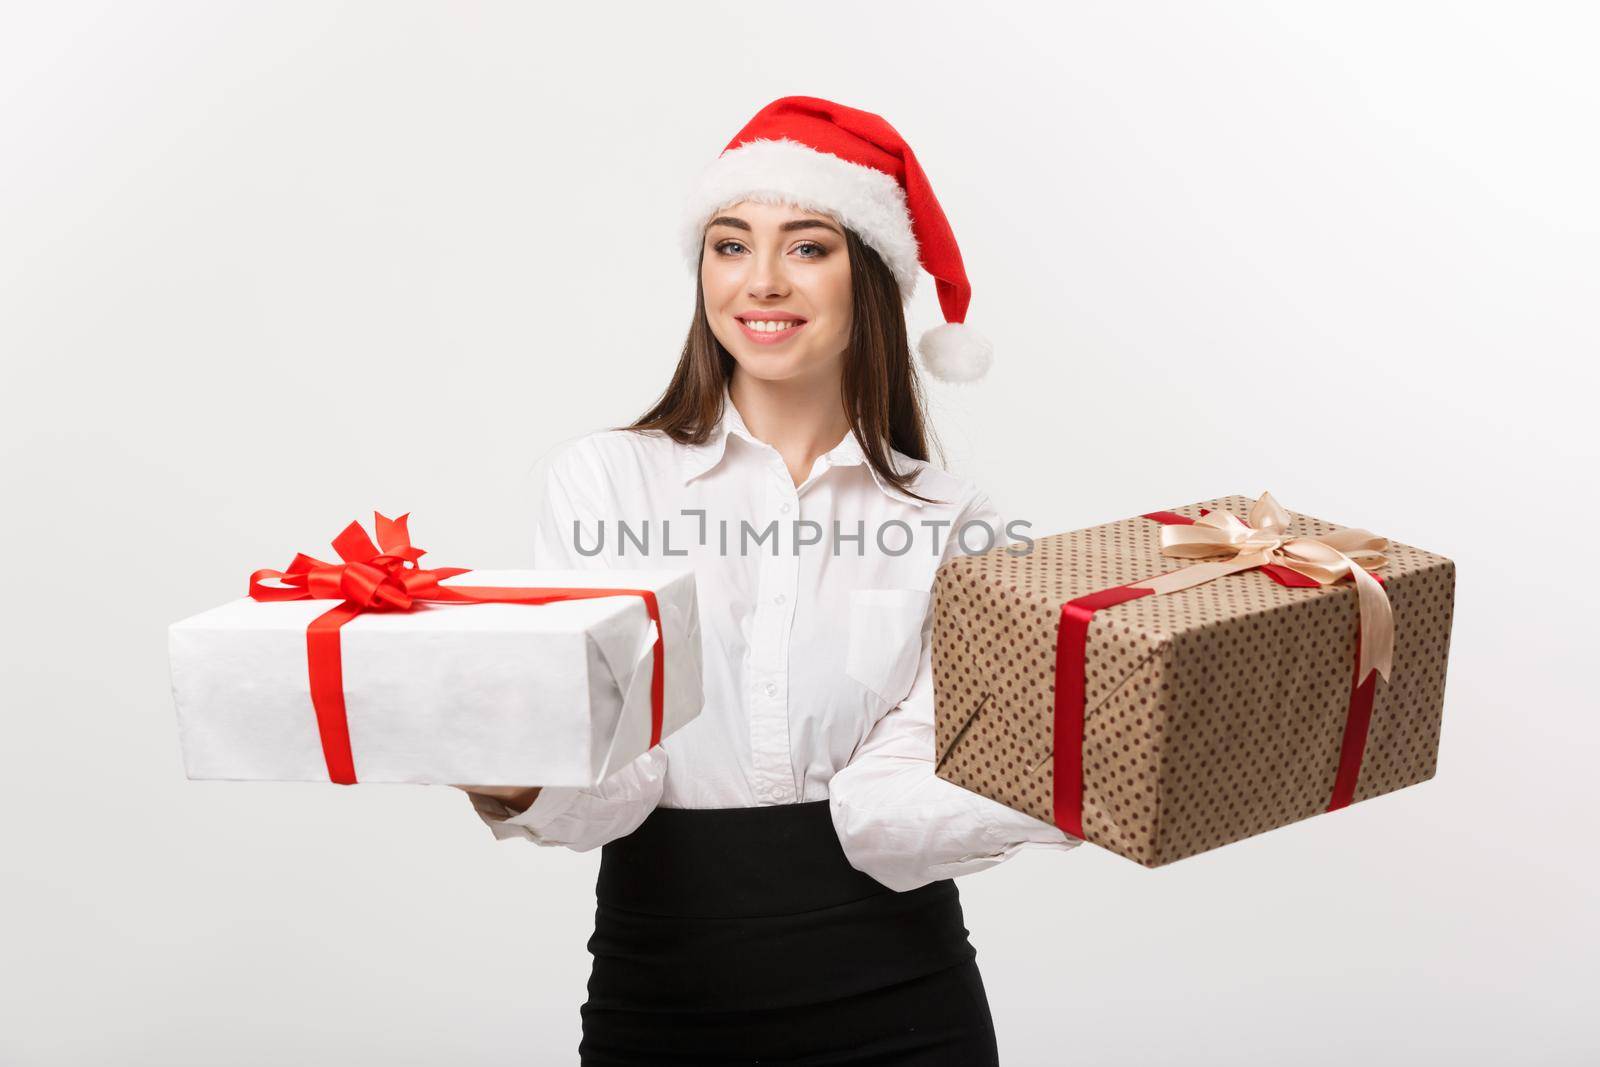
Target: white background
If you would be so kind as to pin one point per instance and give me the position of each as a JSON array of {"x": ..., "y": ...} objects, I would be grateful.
[{"x": 265, "y": 268}]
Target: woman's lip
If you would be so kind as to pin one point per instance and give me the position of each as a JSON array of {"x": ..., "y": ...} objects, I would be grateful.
[{"x": 771, "y": 337}]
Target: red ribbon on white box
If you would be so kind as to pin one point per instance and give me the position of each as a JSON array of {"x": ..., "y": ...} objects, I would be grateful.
[{"x": 387, "y": 578}]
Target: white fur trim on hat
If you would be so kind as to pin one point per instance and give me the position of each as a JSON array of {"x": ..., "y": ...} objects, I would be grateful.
[
  {"x": 868, "y": 201},
  {"x": 954, "y": 352}
]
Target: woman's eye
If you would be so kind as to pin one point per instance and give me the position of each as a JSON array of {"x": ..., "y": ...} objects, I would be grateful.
[{"x": 732, "y": 247}]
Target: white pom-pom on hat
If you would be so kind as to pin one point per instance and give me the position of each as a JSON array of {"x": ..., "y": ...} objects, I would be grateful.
[
  {"x": 827, "y": 157},
  {"x": 955, "y": 352}
]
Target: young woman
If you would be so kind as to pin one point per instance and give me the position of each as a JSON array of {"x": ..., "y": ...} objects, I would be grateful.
[{"x": 776, "y": 877}]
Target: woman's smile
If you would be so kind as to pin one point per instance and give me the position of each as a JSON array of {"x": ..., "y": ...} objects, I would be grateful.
[{"x": 769, "y": 328}]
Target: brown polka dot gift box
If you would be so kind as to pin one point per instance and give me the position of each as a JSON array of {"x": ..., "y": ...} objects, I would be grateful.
[{"x": 1170, "y": 683}]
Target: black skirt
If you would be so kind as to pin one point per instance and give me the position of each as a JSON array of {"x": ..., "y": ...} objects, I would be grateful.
[{"x": 744, "y": 936}]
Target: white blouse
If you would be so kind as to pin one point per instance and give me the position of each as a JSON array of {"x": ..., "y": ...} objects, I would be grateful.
[{"x": 816, "y": 615}]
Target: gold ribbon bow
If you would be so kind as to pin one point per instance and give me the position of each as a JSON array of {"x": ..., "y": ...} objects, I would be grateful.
[{"x": 1326, "y": 559}]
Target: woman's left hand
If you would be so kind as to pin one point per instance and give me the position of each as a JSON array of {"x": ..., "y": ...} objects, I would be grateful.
[{"x": 520, "y": 797}]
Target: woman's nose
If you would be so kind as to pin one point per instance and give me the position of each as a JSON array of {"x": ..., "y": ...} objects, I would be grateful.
[{"x": 767, "y": 277}]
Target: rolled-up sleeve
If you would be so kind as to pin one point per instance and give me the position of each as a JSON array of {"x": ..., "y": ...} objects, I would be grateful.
[
  {"x": 582, "y": 819},
  {"x": 568, "y": 526},
  {"x": 896, "y": 819}
]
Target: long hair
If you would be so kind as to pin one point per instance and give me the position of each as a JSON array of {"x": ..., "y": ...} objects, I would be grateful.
[{"x": 881, "y": 392}]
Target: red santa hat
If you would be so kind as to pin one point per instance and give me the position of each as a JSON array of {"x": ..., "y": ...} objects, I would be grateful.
[{"x": 835, "y": 160}]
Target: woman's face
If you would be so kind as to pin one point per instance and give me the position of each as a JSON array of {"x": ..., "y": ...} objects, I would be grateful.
[{"x": 776, "y": 282}]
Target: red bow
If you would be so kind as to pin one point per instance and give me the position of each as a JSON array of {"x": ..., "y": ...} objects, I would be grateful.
[{"x": 385, "y": 577}]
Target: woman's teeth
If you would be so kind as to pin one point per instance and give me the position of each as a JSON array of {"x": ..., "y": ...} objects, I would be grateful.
[{"x": 769, "y": 327}]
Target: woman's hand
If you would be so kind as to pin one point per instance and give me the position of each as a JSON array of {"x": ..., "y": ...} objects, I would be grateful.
[{"x": 519, "y": 797}]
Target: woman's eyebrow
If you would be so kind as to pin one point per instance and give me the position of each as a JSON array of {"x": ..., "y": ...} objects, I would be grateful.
[
  {"x": 796, "y": 224},
  {"x": 808, "y": 224}
]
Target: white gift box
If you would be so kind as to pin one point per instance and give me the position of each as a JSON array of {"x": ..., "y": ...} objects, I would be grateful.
[{"x": 555, "y": 694}]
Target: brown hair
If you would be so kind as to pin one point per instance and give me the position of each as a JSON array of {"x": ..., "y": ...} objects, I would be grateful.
[{"x": 881, "y": 392}]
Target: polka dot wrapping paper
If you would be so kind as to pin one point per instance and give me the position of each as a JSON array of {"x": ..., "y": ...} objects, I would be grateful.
[{"x": 1209, "y": 714}]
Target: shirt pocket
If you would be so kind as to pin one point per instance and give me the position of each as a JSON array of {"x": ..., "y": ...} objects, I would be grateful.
[{"x": 885, "y": 640}]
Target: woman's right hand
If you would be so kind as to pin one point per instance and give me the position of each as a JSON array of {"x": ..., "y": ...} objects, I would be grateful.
[{"x": 519, "y": 797}]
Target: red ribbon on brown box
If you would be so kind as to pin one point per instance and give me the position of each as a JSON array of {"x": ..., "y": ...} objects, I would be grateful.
[{"x": 1264, "y": 542}]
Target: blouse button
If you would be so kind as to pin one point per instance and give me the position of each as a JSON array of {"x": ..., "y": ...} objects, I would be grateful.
[
  {"x": 772, "y": 690},
  {"x": 784, "y": 507},
  {"x": 779, "y": 599}
]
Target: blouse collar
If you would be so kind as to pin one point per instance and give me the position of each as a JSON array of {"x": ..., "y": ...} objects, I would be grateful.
[{"x": 698, "y": 459}]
